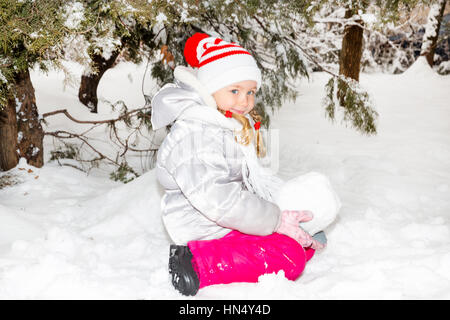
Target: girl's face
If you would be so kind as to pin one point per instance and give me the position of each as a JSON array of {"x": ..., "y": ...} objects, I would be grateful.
[{"x": 238, "y": 97}]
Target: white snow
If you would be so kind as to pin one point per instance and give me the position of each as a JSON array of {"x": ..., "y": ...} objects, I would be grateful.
[
  {"x": 420, "y": 70},
  {"x": 35, "y": 151},
  {"x": 66, "y": 235},
  {"x": 161, "y": 18},
  {"x": 106, "y": 44},
  {"x": 2, "y": 78},
  {"x": 74, "y": 14},
  {"x": 368, "y": 18}
]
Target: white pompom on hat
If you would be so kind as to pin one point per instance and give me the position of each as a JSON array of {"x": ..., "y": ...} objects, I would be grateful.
[{"x": 220, "y": 63}]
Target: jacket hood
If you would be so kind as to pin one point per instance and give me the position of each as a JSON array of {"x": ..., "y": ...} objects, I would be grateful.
[{"x": 174, "y": 98}]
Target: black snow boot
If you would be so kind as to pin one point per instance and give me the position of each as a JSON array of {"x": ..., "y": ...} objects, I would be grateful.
[{"x": 184, "y": 277}]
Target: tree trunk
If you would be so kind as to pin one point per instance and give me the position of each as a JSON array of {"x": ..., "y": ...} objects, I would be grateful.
[
  {"x": 87, "y": 93},
  {"x": 432, "y": 31},
  {"x": 21, "y": 134},
  {"x": 352, "y": 48},
  {"x": 8, "y": 136},
  {"x": 351, "y": 51}
]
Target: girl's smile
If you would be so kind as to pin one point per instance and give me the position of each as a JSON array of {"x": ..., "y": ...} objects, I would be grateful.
[{"x": 236, "y": 111}]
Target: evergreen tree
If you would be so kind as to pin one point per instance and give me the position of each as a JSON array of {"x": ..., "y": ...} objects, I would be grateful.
[
  {"x": 391, "y": 36},
  {"x": 274, "y": 32},
  {"x": 259, "y": 26},
  {"x": 99, "y": 31},
  {"x": 103, "y": 31},
  {"x": 31, "y": 33},
  {"x": 343, "y": 92}
]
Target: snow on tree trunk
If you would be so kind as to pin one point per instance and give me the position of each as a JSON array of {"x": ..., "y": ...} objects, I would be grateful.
[
  {"x": 21, "y": 134},
  {"x": 30, "y": 133},
  {"x": 432, "y": 30},
  {"x": 87, "y": 93}
]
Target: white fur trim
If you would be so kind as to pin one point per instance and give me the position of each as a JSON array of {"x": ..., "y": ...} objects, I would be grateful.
[{"x": 188, "y": 76}]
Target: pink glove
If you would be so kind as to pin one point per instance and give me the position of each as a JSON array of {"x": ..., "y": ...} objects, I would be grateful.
[{"x": 290, "y": 227}]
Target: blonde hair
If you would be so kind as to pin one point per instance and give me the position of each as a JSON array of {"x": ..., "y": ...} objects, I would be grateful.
[{"x": 246, "y": 134}]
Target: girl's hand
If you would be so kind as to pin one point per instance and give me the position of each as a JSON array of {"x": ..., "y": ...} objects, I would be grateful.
[{"x": 290, "y": 226}]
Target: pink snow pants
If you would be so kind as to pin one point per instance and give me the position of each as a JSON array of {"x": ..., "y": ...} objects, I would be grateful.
[{"x": 239, "y": 257}]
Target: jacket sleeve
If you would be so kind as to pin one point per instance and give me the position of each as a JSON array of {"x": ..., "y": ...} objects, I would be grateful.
[{"x": 205, "y": 180}]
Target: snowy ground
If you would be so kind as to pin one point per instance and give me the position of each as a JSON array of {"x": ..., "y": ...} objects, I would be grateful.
[{"x": 66, "y": 235}]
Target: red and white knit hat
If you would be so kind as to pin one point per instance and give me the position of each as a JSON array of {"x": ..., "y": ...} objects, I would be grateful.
[{"x": 220, "y": 63}]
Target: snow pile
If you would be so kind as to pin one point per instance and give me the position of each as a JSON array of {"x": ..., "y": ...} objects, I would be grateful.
[
  {"x": 420, "y": 70},
  {"x": 65, "y": 235},
  {"x": 94, "y": 241}
]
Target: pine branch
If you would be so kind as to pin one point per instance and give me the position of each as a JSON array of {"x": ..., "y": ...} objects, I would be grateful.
[{"x": 355, "y": 101}]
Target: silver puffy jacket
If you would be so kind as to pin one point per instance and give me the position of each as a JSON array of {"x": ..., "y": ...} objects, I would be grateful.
[{"x": 204, "y": 193}]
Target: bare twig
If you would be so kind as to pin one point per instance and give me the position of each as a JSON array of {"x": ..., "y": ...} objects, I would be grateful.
[
  {"x": 123, "y": 144},
  {"x": 68, "y": 115},
  {"x": 62, "y": 134},
  {"x": 126, "y": 145}
]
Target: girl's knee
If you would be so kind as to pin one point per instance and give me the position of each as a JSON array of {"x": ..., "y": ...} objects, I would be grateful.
[
  {"x": 296, "y": 265},
  {"x": 294, "y": 258}
]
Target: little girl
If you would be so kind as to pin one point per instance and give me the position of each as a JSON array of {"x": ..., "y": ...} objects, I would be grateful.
[{"x": 230, "y": 220}]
